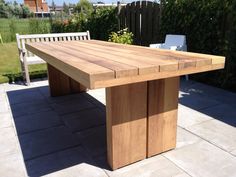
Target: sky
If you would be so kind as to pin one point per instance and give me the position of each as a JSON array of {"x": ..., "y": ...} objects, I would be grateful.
[{"x": 60, "y": 2}]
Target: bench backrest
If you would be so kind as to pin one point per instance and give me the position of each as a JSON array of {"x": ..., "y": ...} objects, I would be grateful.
[{"x": 53, "y": 37}]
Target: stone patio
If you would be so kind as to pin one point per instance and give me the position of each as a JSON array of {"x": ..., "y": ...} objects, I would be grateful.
[{"x": 66, "y": 136}]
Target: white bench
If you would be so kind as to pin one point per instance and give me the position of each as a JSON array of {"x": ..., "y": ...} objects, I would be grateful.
[{"x": 27, "y": 58}]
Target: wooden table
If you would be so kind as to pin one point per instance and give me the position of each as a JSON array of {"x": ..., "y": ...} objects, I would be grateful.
[{"x": 141, "y": 84}]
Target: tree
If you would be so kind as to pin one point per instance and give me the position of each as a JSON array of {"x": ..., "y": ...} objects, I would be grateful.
[
  {"x": 66, "y": 8},
  {"x": 25, "y": 11},
  {"x": 53, "y": 6},
  {"x": 14, "y": 9},
  {"x": 84, "y": 7}
]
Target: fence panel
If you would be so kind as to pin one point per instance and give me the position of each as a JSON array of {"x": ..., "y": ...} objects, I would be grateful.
[{"x": 142, "y": 18}]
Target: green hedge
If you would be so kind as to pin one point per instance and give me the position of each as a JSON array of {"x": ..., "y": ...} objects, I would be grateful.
[
  {"x": 210, "y": 27},
  {"x": 10, "y": 26},
  {"x": 101, "y": 22}
]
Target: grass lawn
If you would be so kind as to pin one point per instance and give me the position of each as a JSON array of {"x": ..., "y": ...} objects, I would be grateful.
[
  {"x": 10, "y": 65},
  {"x": 10, "y": 26}
]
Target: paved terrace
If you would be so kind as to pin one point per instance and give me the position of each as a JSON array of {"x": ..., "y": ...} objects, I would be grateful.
[{"x": 65, "y": 136}]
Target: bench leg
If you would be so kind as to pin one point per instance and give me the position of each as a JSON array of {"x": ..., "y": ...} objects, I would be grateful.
[
  {"x": 162, "y": 115},
  {"x": 126, "y": 109},
  {"x": 25, "y": 71},
  {"x": 61, "y": 84}
]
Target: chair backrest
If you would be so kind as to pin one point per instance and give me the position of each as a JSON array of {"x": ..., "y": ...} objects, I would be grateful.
[
  {"x": 53, "y": 37},
  {"x": 175, "y": 40}
]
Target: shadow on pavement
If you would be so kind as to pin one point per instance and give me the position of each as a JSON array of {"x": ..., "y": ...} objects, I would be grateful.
[{"x": 58, "y": 133}]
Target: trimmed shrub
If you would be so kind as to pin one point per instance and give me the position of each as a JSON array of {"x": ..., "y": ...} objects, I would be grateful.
[{"x": 210, "y": 28}]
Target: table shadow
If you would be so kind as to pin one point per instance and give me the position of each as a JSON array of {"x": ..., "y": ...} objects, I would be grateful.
[
  {"x": 58, "y": 133},
  {"x": 214, "y": 102}
]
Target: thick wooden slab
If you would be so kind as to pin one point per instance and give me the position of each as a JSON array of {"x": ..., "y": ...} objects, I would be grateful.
[
  {"x": 97, "y": 64},
  {"x": 162, "y": 115},
  {"x": 126, "y": 115}
]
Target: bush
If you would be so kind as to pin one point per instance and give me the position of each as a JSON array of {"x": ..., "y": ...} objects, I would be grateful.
[
  {"x": 102, "y": 22},
  {"x": 210, "y": 28},
  {"x": 39, "y": 26},
  {"x": 8, "y": 27},
  {"x": 122, "y": 36}
]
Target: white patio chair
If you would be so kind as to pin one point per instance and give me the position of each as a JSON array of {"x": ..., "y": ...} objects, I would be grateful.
[{"x": 173, "y": 42}]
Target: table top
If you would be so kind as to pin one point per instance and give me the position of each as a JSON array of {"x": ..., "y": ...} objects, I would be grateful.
[{"x": 97, "y": 64}]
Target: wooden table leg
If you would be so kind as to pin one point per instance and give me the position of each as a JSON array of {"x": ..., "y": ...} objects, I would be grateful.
[
  {"x": 162, "y": 115},
  {"x": 126, "y": 108},
  {"x": 61, "y": 84}
]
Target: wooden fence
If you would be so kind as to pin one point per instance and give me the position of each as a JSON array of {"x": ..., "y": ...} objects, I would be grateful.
[{"x": 142, "y": 18}]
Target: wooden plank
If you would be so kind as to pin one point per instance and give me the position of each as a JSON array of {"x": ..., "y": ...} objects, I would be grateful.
[
  {"x": 95, "y": 76},
  {"x": 156, "y": 24},
  {"x": 160, "y": 75},
  {"x": 132, "y": 18},
  {"x": 126, "y": 112},
  {"x": 186, "y": 59},
  {"x": 122, "y": 18},
  {"x": 82, "y": 71},
  {"x": 162, "y": 115},
  {"x": 137, "y": 37},
  {"x": 163, "y": 63},
  {"x": 120, "y": 69},
  {"x": 144, "y": 67},
  {"x": 149, "y": 22},
  {"x": 144, "y": 24},
  {"x": 128, "y": 21}
]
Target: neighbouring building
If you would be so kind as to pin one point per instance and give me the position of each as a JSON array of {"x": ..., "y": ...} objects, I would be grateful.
[{"x": 38, "y": 7}]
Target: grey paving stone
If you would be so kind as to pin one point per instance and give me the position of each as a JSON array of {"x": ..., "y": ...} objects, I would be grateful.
[
  {"x": 71, "y": 106},
  {"x": 223, "y": 112},
  {"x": 184, "y": 85},
  {"x": 98, "y": 94},
  {"x": 5, "y": 120},
  {"x": 214, "y": 93},
  {"x": 7, "y": 132},
  {"x": 94, "y": 140},
  {"x": 3, "y": 96},
  {"x": 196, "y": 102},
  {"x": 44, "y": 90},
  {"x": 81, "y": 170},
  {"x": 24, "y": 96},
  {"x": 16, "y": 86},
  {"x": 185, "y": 138},
  {"x": 66, "y": 99},
  {"x": 2, "y": 88},
  {"x": 70, "y": 162},
  {"x": 8, "y": 146},
  {"x": 84, "y": 119},
  {"x": 233, "y": 152},
  {"x": 188, "y": 117},
  {"x": 157, "y": 166},
  {"x": 203, "y": 159},
  {"x": 12, "y": 165},
  {"x": 4, "y": 107},
  {"x": 46, "y": 141},
  {"x": 216, "y": 132},
  {"x": 37, "y": 121},
  {"x": 29, "y": 108},
  {"x": 8, "y": 141}
]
